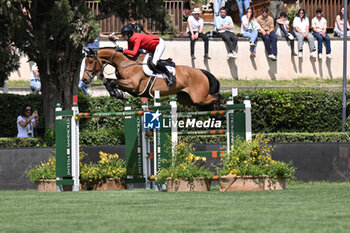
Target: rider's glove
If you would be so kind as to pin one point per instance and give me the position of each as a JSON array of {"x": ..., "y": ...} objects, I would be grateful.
[{"x": 119, "y": 49}]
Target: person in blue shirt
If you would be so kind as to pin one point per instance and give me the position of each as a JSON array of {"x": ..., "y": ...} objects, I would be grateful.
[{"x": 224, "y": 26}]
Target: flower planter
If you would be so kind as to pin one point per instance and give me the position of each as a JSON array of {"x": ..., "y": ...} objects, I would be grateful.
[
  {"x": 251, "y": 183},
  {"x": 106, "y": 184},
  {"x": 185, "y": 185},
  {"x": 46, "y": 185},
  {"x": 275, "y": 184},
  {"x": 208, "y": 17},
  {"x": 242, "y": 183},
  {"x": 184, "y": 26}
]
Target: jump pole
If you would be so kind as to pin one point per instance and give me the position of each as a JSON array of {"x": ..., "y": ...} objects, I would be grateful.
[{"x": 67, "y": 148}]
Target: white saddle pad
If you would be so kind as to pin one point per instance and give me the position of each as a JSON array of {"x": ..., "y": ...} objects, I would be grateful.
[{"x": 149, "y": 72}]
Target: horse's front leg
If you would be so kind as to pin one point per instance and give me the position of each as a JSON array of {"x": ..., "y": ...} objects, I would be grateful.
[{"x": 111, "y": 86}]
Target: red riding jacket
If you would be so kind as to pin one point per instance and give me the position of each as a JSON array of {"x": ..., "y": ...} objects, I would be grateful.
[{"x": 141, "y": 41}]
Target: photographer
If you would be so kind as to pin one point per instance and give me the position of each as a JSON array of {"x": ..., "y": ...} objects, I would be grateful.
[{"x": 27, "y": 121}]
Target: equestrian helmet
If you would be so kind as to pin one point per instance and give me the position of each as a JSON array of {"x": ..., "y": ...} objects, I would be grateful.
[{"x": 127, "y": 30}]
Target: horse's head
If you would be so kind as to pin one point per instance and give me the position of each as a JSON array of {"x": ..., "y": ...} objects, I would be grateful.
[{"x": 93, "y": 65}]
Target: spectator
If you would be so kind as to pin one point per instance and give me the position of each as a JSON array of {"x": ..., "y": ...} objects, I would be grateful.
[
  {"x": 276, "y": 7},
  {"x": 249, "y": 29},
  {"x": 240, "y": 4},
  {"x": 268, "y": 34},
  {"x": 195, "y": 31},
  {"x": 224, "y": 25},
  {"x": 217, "y": 5},
  {"x": 26, "y": 122},
  {"x": 151, "y": 43},
  {"x": 301, "y": 29},
  {"x": 283, "y": 31},
  {"x": 35, "y": 83},
  {"x": 319, "y": 27},
  {"x": 339, "y": 25},
  {"x": 138, "y": 28}
]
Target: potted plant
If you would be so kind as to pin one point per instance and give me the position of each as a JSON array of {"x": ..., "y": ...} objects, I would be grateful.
[
  {"x": 44, "y": 175},
  {"x": 108, "y": 174},
  {"x": 185, "y": 171},
  {"x": 249, "y": 167}
]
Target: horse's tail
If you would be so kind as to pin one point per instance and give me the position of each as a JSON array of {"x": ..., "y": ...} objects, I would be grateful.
[{"x": 214, "y": 85}]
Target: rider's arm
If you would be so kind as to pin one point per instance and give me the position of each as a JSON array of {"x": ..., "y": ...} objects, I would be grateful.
[{"x": 135, "y": 49}]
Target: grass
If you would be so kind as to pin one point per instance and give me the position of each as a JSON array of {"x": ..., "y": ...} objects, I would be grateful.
[
  {"x": 317, "y": 207},
  {"x": 299, "y": 82}
]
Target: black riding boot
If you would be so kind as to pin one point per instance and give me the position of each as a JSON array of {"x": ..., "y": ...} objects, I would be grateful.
[{"x": 171, "y": 77}]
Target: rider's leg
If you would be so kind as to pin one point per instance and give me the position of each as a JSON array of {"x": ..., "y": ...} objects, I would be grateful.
[{"x": 160, "y": 66}]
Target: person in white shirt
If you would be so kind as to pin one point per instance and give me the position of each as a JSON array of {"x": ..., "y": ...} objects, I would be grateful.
[
  {"x": 250, "y": 28},
  {"x": 35, "y": 83},
  {"x": 283, "y": 31},
  {"x": 319, "y": 27},
  {"x": 339, "y": 25},
  {"x": 195, "y": 31},
  {"x": 224, "y": 25},
  {"x": 301, "y": 29},
  {"x": 27, "y": 121}
]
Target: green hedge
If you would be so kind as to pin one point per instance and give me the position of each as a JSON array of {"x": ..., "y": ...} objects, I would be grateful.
[
  {"x": 21, "y": 142},
  {"x": 273, "y": 111}
]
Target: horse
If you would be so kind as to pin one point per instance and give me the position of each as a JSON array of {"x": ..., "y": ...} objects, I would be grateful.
[{"x": 200, "y": 86}]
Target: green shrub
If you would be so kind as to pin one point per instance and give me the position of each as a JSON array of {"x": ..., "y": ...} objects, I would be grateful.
[
  {"x": 253, "y": 158},
  {"x": 20, "y": 142},
  {"x": 278, "y": 113}
]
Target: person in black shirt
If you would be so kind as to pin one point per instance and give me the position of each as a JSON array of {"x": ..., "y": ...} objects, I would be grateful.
[{"x": 138, "y": 28}]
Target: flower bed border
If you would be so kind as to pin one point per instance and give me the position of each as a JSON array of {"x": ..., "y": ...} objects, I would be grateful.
[
  {"x": 199, "y": 184},
  {"x": 250, "y": 183}
]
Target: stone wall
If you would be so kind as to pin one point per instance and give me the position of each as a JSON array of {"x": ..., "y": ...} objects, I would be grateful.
[{"x": 245, "y": 67}]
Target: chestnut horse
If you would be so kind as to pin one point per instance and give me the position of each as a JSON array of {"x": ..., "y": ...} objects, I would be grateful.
[{"x": 200, "y": 85}]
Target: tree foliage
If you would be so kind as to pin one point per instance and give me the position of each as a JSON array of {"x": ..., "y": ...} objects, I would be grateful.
[
  {"x": 9, "y": 25},
  {"x": 52, "y": 34}
]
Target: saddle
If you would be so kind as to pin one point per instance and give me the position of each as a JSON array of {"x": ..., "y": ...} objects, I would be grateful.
[
  {"x": 164, "y": 69},
  {"x": 164, "y": 62}
]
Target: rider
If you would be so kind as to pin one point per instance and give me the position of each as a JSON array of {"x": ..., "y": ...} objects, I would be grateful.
[{"x": 151, "y": 43}]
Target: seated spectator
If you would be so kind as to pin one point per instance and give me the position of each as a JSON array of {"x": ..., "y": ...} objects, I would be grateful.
[
  {"x": 27, "y": 121},
  {"x": 224, "y": 26},
  {"x": 339, "y": 25},
  {"x": 319, "y": 27},
  {"x": 138, "y": 28},
  {"x": 249, "y": 29},
  {"x": 35, "y": 83},
  {"x": 195, "y": 31},
  {"x": 283, "y": 31},
  {"x": 268, "y": 33},
  {"x": 301, "y": 29}
]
